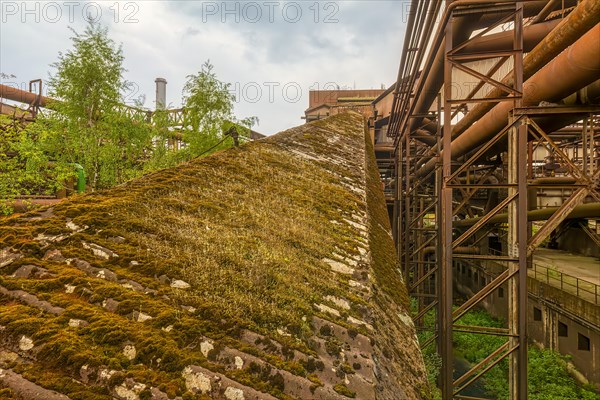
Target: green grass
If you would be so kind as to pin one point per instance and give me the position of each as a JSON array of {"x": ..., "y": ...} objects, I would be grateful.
[{"x": 548, "y": 376}]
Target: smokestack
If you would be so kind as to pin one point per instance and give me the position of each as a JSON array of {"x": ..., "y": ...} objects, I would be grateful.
[{"x": 161, "y": 93}]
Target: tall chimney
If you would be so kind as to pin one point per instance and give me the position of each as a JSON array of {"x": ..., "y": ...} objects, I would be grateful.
[{"x": 161, "y": 93}]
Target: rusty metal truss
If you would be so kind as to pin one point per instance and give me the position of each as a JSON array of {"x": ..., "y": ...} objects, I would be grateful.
[{"x": 474, "y": 207}]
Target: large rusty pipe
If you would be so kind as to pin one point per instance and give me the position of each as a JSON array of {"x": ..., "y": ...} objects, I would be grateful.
[
  {"x": 585, "y": 16},
  {"x": 530, "y": 9},
  {"x": 573, "y": 69},
  {"x": 426, "y": 137},
  {"x": 546, "y": 11},
  {"x": 22, "y": 96},
  {"x": 588, "y": 95},
  {"x": 24, "y": 205},
  {"x": 589, "y": 210},
  {"x": 532, "y": 36},
  {"x": 550, "y": 124},
  {"x": 554, "y": 180},
  {"x": 431, "y": 87},
  {"x": 433, "y": 79}
]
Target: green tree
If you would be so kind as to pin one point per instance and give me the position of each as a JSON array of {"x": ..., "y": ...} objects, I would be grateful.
[
  {"x": 87, "y": 124},
  {"x": 208, "y": 104}
]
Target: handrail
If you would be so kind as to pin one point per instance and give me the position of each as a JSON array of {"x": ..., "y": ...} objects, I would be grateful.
[{"x": 581, "y": 288}]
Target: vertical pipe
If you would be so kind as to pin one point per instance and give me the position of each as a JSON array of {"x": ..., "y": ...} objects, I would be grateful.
[
  {"x": 513, "y": 290},
  {"x": 517, "y": 221},
  {"x": 420, "y": 257},
  {"x": 161, "y": 104},
  {"x": 584, "y": 135},
  {"x": 395, "y": 204},
  {"x": 399, "y": 186},
  {"x": 595, "y": 161},
  {"x": 438, "y": 222},
  {"x": 161, "y": 93},
  {"x": 445, "y": 262},
  {"x": 395, "y": 215},
  {"x": 407, "y": 207}
]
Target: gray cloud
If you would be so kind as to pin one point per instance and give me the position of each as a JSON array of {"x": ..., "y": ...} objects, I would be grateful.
[{"x": 173, "y": 39}]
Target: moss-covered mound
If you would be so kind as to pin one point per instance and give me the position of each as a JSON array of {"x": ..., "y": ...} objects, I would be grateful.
[{"x": 261, "y": 272}]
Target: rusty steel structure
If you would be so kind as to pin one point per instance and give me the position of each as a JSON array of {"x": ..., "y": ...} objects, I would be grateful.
[{"x": 496, "y": 103}]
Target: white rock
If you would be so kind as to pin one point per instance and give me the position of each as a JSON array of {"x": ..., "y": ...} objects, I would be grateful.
[
  {"x": 168, "y": 328},
  {"x": 283, "y": 332},
  {"x": 189, "y": 309},
  {"x": 49, "y": 238},
  {"x": 196, "y": 381},
  {"x": 99, "y": 251},
  {"x": 126, "y": 393},
  {"x": 356, "y": 321},
  {"x": 351, "y": 262},
  {"x": 326, "y": 309},
  {"x": 362, "y": 228},
  {"x": 406, "y": 320},
  {"x": 70, "y": 288},
  {"x": 106, "y": 374},
  {"x": 356, "y": 284},
  {"x": 339, "y": 267},
  {"x": 76, "y": 228},
  {"x": 239, "y": 363},
  {"x": 232, "y": 393},
  {"x": 129, "y": 352},
  {"x": 205, "y": 347},
  {"x": 75, "y": 323},
  {"x": 141, "y": 317},
  {"x": 342, "y": 303},
  {"x": 179, "y": 284},
  {"x": 25, "y": 343}
]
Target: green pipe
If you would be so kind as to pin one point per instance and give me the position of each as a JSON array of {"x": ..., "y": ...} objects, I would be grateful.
[
  {"x": 589, "y": 210},
  {"x": 80, "y": 178}
]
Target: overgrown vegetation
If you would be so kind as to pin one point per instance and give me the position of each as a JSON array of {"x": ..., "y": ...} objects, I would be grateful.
[
  {"x": 20, "y": 171},
  {"x": 89, "y": 126},
  {"x": 548, "y": 376}
]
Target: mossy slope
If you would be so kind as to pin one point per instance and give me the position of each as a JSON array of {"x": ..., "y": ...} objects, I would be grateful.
[{"x": 265, "y": 271}]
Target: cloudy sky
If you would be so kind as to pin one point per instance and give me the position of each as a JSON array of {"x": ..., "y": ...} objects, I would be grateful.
[{"x": 272, "y": 52}]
